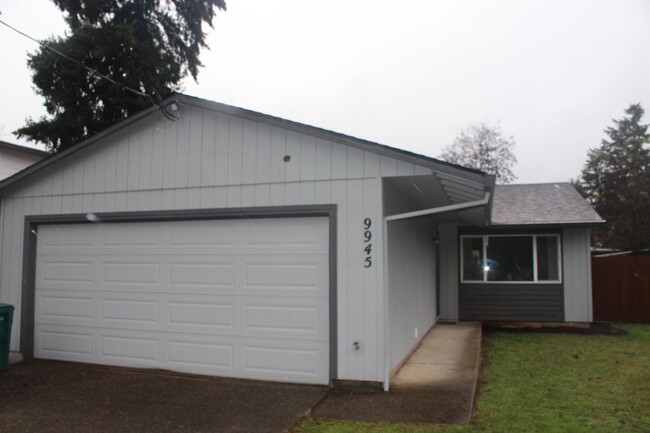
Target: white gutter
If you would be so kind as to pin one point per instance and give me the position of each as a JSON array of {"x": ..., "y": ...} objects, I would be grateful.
[{"x": 453, "y": 207}]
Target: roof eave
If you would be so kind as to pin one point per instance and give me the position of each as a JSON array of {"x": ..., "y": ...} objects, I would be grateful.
[
  {"x": 359, "y": 143},
  {"x": 381, "y": 149},
  {"x": 6, "y": 183},
  {"x": 24, "y": 149}
]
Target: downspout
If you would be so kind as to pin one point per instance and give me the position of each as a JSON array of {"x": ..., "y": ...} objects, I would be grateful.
[
  {"x": 490, "y": 185},
  {"x": 387, "y": 336}
]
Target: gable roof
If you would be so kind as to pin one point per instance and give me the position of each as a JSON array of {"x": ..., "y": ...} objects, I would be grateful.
[
  {"x": 178, "y": 98},
  {"x": 541, "y": 204}
]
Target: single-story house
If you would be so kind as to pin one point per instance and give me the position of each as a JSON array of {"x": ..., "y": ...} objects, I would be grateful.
[
  {"x": 14, "y": 158},
  {"x": 232, "y": 243}
]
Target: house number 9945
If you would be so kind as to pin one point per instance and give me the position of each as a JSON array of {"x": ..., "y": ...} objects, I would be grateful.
[{"x": 367, "y": 237}]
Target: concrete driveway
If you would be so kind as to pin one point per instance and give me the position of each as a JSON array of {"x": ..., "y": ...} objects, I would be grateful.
[{"x": 50, "y": 396}]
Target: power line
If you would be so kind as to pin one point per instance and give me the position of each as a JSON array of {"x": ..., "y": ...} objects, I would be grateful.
[{"x": 96, "y": 73}]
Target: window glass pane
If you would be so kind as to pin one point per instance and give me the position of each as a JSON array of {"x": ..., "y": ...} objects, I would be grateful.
[
  {"x": 547, "y": 259},
  {"x": 510, "y": 258},
  {"x": 473, "y": 259}
]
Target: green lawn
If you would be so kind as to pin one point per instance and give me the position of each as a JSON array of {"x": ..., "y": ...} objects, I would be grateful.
[{"x": 549, "y": 383}]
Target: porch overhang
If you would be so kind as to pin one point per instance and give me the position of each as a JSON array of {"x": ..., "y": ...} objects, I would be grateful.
[
  {"x": 448, "y": 198},
  {"x": 460, "y": 207}
]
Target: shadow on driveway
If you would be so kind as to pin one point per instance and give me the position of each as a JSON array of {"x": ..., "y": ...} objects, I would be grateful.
[{"x": 51, "y": 396}]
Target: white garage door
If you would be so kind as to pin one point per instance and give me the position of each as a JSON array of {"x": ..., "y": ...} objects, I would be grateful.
[{"x": 242, "y": 298}]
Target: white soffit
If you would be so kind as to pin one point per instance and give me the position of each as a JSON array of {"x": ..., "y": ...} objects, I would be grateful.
[{"x": 443, "y": 190}]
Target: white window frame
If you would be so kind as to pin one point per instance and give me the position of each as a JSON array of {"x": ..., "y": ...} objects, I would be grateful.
[{"x": 485, "y": 238}]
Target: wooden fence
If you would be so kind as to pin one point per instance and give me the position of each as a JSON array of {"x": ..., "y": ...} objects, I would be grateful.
[{"x": 621, "y": 288}]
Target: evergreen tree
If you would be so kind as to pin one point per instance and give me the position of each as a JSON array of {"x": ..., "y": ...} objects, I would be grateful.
[
  {"x": 147, "y": 45},
  {"x": 616, "y": 180}
]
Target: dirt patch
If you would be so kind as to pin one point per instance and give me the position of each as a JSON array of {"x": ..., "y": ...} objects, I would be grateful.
[{"x": 592, "y": 329}]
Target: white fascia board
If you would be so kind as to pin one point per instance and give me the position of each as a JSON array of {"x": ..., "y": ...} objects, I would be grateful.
[{"x": 441, "y": 209}]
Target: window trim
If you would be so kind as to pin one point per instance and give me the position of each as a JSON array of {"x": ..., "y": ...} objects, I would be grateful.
[{"x": 534, "y": 237}]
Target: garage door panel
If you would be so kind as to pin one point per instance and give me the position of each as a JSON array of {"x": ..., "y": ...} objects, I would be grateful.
[
  {"x": 130, "y": 273},
  {"x": 209, "y": 353},
  {"x": 129, "y": 347},
  {"x": 204, "y": 314},
  {"x": 210, "y": 297},
  {"x": 287, "y": 275},
  {"x": 65, "y": 238},
  {"x": 64, "y": 343},
  {"x": 298, "y": 317},
  {"x": 76, "y": 271},
  {"x": 64, "y": 307},
  {"x": 282, "y": 318},
  {"x": 202, "y": 354},
  {"x": 129, "y": 310},
  {"x": 289, "y": 236},
  {"x": 129, "y": 237},
  {"x": 197, "y": 235},
  {"x": 285, "y": 359},
  {"x": 216, "y": 274}
]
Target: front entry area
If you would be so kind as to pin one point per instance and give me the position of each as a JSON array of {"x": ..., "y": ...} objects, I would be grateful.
[{"x": 245, "y": 298}]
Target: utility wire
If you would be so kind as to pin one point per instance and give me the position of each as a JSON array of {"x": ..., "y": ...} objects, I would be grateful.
[{"x": 94, "y": 72}]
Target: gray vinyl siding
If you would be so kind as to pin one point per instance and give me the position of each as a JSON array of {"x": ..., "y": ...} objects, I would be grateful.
[
  {"x": 512, "y": 302},
  {"x": 211, "y": 160},
  {"x": 448, "y": 260},
  {"x": 577, "y": 275},
  {"x": 411, "y": 284}
]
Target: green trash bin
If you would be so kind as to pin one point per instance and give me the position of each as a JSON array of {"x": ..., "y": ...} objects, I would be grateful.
[{"x": 6, "y": 317}]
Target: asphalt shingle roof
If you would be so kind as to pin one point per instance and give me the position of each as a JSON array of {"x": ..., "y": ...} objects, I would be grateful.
[{"x": 544, "y": 203}]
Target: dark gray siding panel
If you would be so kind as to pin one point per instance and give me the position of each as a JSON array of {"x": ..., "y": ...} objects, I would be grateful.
[{"x": 512, "y": 302}]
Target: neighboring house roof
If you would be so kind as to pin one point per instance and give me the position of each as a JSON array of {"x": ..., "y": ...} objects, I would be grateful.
[
  {"x": 541, "y": 204},
  {"x": 15, "y": 158},
  {"x": 22, "y": 149}
]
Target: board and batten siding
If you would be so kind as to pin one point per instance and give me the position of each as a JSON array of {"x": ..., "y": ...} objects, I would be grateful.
[
  {"x": 209, "y": 160},
  {"x": 576, "y": 258},
  {"x": 411, "y": 284}
]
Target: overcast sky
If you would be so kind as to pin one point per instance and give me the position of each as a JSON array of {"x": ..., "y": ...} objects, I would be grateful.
[{"x": 406, "y": 74}]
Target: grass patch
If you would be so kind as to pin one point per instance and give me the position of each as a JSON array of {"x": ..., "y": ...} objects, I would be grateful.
[{"x": 548, "y": 383}]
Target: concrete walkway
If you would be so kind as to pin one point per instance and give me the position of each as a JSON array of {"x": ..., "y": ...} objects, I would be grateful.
[
  {"x": 436, "y": 385},
  {"x": 448, "y": 354}
]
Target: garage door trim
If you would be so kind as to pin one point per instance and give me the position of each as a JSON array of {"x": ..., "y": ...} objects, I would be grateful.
[{"x": 32, "y": 222}]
